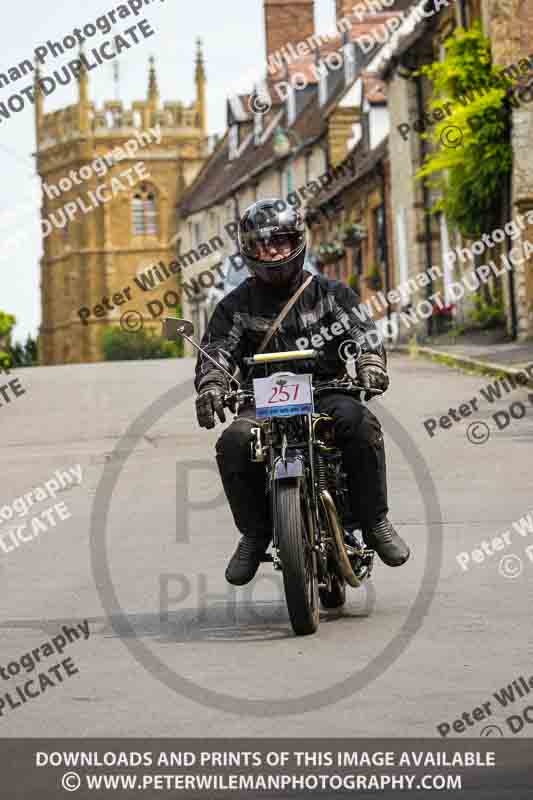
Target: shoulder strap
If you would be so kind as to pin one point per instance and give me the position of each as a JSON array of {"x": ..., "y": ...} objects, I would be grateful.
[
  {"x": 283, "y": 313},
  {"x": 277, "y": 322}
]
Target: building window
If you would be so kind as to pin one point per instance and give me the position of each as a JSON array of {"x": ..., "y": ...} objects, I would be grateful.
[
  {"x": 380, "y": 244},
  {"x": 144, "y": 209},
  {"x": 198, "y": 236}
]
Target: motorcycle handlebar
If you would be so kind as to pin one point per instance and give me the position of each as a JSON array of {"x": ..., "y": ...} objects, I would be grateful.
[{"x": 241, "y": 394}]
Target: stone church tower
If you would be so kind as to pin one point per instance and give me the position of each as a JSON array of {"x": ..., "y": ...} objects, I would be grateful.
[{"x": 117, "y": 225}]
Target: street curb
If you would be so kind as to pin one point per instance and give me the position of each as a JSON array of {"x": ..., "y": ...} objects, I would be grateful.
[{"x": 462, "y": 362}]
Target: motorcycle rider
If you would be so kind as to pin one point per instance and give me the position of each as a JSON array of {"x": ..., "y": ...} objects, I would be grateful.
[{"x": 273, "y": 245}]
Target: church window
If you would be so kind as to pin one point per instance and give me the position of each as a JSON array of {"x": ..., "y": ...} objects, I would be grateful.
[{"x": 144, "y": 208}]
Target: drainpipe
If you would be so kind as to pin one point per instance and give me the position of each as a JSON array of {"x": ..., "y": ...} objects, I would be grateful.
[
  {"x": 425, "y": 200},
  {"x": 381, "y": 170},
  {"x": 509, "y": 215}
]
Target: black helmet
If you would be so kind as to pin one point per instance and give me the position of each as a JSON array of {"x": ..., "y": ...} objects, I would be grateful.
[{"x": 272, "y": 241}]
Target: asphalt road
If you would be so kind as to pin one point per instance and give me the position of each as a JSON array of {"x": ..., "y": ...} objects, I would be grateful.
[{"x": 189, "y": 656}]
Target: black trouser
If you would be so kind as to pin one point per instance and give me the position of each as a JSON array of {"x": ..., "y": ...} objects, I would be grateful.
[{"x": 358, "y": 434}]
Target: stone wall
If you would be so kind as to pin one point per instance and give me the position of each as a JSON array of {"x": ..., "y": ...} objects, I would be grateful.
[
  {"x": 511, "y": 32},
  {"x": 406, "y": 192}
]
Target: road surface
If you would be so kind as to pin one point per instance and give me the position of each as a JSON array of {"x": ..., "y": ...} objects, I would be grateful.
[{"x": 183, "y": 654}]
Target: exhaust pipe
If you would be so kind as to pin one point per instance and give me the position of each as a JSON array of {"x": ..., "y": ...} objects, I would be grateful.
[{"x": 343, "y": 561}]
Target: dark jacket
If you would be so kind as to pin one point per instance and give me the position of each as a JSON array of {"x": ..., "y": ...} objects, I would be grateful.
[{"x": 242, "y": 318}]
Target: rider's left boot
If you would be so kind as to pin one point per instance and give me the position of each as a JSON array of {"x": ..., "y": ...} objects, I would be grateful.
[{"x": 389, "y": 546}]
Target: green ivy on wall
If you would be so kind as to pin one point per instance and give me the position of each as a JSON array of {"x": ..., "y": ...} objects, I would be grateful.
[{"x": 471, "y": 175}]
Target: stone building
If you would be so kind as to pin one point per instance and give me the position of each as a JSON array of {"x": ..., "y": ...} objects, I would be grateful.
[
  {"x": 421, "y": 239},
  {"x": 352, "y": 241},
  {"x": 117, "y": 226},
  {"x": 510, "y": 26},
  {"x": 315, "y": 114}
]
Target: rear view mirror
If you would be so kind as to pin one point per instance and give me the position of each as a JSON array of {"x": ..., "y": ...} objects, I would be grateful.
[{"x": 173, "y": 328}]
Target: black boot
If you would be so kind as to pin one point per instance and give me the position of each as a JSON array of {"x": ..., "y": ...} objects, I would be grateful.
[
  {"x": 245, "y": 561},
  {"x": 390, "y": 547}
]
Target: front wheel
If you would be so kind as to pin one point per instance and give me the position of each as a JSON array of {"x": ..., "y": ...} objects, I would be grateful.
[{"x": 297, "y": 557}]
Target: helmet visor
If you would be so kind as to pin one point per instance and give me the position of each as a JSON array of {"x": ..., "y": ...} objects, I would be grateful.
[
  {"x": 277, "y": 247},
  {"x": 268, "y": 236}
]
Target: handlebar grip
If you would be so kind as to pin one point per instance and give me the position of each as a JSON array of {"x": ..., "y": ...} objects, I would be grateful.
[{"x": 288, "y": 355}]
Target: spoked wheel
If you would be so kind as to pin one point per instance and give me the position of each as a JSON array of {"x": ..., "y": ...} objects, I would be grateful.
[
  {"x": 335, "y": 597},
  {"x": 297, "y": 558}
]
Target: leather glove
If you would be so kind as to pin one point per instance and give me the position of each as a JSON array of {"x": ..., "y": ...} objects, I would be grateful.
[
  {"x": 372, "y": 372},
  {"x": 209, "y": 402}
]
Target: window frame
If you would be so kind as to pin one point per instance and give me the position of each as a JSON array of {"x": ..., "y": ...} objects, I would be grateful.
[{"x": 145, "y": 218}]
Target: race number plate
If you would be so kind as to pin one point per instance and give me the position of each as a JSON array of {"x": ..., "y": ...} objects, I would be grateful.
[{"x": 283, "y": 395}]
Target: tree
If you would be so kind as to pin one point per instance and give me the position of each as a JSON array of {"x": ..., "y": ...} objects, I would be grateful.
[
  {"x": 25, "y": 355},
  {"x": 7, "y": 321},
  {"x": 119, "y": 345}
]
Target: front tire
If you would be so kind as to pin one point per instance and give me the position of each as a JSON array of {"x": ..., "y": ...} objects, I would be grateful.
[{"x": 297, "y": 558}]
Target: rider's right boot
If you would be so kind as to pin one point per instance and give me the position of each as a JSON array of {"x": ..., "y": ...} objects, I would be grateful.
[{"x": 245, "y": 561}]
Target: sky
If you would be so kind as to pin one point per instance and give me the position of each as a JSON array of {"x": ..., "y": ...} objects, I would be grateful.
[{"x": 234, "y": 53}]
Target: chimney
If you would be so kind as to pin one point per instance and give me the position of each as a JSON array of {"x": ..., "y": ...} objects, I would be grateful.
[
  {"x": 287, "y": 22},
  {"x": 343, "y": 8}
]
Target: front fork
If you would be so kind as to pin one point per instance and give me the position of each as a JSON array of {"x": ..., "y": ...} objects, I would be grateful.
[{"x": 280, "y": 467}]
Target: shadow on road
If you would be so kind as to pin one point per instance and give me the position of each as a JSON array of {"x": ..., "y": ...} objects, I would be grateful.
[
  {"x": 236, "y": 621},
  {"x": 215, "y": 622}
]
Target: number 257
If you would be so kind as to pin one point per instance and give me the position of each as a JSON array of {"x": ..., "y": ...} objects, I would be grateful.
[{"x": 280, "y": 394}]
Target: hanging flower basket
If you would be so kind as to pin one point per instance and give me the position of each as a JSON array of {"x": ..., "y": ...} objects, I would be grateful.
[
  {"x": 352, "y": 233},
  {"x": 329, "y": 253},
  {"x": 338, "y": 251}
]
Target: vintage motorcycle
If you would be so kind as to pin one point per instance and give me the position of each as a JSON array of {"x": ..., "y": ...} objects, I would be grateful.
[{"x": 313, "y": 540}]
